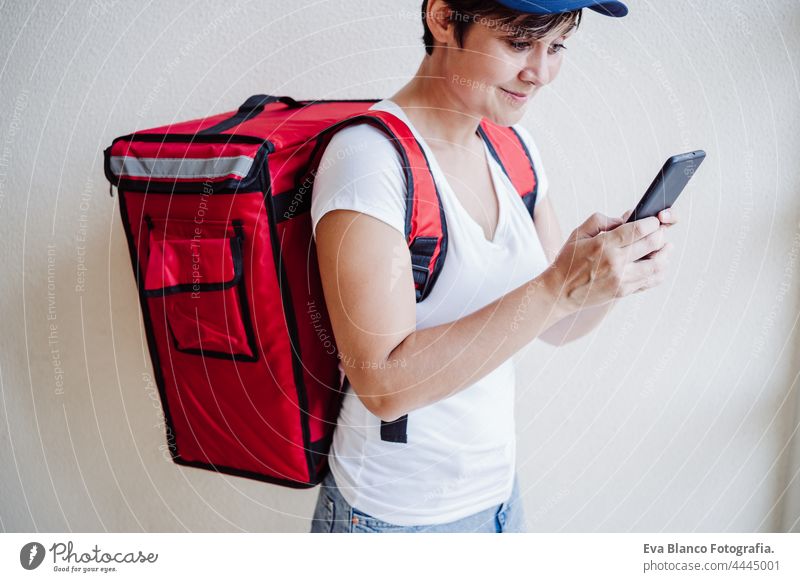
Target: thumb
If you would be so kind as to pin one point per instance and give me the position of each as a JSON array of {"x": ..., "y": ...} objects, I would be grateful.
[{"x": 596, "y": 224}]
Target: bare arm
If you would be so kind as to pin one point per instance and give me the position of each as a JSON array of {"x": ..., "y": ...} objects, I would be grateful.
[{"x": 394, "y": 368}]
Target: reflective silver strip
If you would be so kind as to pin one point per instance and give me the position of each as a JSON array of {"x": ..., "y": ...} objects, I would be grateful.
[{"x": 180, "y": 167}]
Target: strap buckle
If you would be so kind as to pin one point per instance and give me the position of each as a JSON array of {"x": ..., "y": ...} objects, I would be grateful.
[
  {"x": 422, "y": 277},
  {"x": 422, "y": 249}
]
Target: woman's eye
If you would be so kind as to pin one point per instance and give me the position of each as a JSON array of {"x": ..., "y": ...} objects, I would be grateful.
[{"x": 520, "y": 46}]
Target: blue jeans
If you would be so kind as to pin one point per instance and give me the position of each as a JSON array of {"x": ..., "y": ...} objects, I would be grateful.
[{"x": 334, "y": 515}]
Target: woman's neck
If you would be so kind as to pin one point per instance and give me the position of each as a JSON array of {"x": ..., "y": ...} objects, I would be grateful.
[{"x": 434, "y": 110}]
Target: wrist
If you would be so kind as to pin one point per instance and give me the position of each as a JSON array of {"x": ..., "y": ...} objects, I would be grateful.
[{"x": 553, "y": 287}]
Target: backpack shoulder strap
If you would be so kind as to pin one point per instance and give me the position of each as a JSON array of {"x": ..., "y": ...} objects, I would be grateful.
[
  {"x": 510, "y": 151},
  {"x": 425, "y": 227}
]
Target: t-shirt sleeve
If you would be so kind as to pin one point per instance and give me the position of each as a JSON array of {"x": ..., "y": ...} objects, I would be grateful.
[
  {"x": 541, "y": 175},
  {"x": 360, "y": 170}
]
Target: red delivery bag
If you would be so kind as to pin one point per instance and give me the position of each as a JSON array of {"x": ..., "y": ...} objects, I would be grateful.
[{"x": 216, "y": 215}]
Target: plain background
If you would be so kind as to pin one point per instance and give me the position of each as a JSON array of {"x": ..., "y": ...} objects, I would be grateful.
[{"x": 679, "y": 414}]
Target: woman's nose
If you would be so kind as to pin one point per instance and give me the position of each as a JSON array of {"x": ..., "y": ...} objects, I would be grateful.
[{"x": 537, "y": 68}]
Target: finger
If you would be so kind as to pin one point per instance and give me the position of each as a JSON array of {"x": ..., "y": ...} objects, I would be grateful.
[
  {"x": 626, "y": 216},
  {"x": 645, "y": 246},
  {"x": 667, "y": 248},
  {"x": 596, "y": 224},
  {"x": 649, "y": 284},
  {"x": 654, "y": 280},
  {"x": 641, "y": 273},
  {"x": 667, "y": 216},
  {"x": 640, "y": 284},
  {"x": 629, "y": 233}
]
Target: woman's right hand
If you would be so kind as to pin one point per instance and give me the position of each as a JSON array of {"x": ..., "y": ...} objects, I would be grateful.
[{"x": 600, "y": 261}]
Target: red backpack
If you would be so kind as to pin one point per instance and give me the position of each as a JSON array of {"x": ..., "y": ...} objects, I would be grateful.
[{"x": 216, "y": 214}]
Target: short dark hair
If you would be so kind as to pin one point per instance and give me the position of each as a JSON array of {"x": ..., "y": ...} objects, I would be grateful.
[{"x": 518, "y": 24}]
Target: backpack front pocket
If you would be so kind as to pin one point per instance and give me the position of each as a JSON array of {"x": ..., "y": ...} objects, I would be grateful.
[{"x": 197, "y": 270}]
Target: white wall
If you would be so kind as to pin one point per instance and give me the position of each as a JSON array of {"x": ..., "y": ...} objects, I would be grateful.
[{"x": 679, "y": 414}]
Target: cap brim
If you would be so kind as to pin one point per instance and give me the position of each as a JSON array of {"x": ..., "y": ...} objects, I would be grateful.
[
  {"x": 610, "y": 8},
  {"x": 614, "y": 9}
]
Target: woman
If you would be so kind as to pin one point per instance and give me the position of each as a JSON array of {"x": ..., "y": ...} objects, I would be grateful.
[{"x": 446, "y": 361}]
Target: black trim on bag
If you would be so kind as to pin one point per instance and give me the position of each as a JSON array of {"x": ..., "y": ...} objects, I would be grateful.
[
  {"x": 255, "y": 105},
  {"x": 172, "y": 186},
  {"x": 422, "y": 249},
  {"x": 292, "y": 203},
  {"x": 395, "y": 431},
  {"x": 492, "y": 151},
  {"x": 437, "y": 268},
  {"x": 530, "y": 197},
  {"x": 190, "y": 188},
  {"x": 313, "y": 482},
  {"x": 190, "y": 137},
  {"x": 251, "y": 108},
  {"x": 530, "y": 202},
  {"x": 244, "y": 304},
  {"x": 214, "y": 353},
  {"x": 318, "y": 449}
]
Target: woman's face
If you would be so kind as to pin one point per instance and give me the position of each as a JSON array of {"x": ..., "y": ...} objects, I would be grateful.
[{"x": 496, "y": 75}]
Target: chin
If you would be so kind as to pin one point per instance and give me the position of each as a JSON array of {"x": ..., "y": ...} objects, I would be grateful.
[{"x": 502, "y": 116}]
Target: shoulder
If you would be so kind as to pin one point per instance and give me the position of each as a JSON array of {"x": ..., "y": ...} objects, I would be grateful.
[
  {"x": 357, "y": 153},
  {"x": 360, "y": 144},
  {"x": 360, "y": 170},
  {"x": 365, "y": 144}
]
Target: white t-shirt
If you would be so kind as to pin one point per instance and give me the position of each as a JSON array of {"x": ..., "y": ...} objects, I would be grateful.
[{"x": 460, "y": 454}]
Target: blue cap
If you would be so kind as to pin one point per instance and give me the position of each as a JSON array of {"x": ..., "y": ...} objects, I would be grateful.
[{"x": 616, "y": 9}]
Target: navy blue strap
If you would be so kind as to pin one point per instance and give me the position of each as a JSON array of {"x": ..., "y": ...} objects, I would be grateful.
[
  {"x": 422, "y": 249},
  {"x": 251, "y": 108},
  {"x": 395, "y": 431},
  {"x": 530, "y": 198}
]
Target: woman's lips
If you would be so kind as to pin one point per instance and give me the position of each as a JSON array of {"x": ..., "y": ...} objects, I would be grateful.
[{"x": 516, "y": 97}]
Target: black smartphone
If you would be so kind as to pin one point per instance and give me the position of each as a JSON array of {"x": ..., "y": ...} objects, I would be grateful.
[{"x": 668, "y": 184}]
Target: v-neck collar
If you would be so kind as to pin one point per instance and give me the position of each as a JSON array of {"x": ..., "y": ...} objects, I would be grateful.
[{"x": 493, "y": 169}]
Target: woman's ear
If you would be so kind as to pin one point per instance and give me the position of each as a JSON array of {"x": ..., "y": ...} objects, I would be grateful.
[{"x": 440, "y": 21}]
